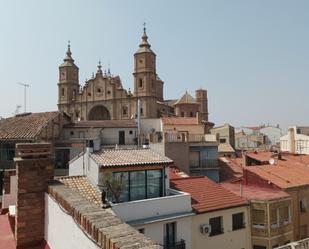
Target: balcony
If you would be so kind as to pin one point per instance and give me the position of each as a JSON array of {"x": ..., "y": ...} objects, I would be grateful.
[
  {"x": 204, "y": 164},
  {"x": 178, "y": 245},
  {"x": 191, "y": 138},
  {"x": 301, "y": 244},
  {"x": 176, "y": 203}
]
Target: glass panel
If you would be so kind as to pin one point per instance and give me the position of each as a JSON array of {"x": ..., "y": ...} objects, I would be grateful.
[
  {"x": 154, "y": 183},
  {"x": 122, "y": 179},
  {"x": 137, "y": 185}
]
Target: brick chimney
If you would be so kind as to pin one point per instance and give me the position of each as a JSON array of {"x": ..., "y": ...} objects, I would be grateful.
[{"x": 34, "y": 167}]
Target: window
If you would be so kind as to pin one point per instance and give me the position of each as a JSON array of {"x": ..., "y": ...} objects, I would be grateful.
[
  {"x": 108, "y": 92},
  {"x": 138, "y": 185},
  {"x": 89, "y": 94},
  {"x": 141, "y": 111},
  {"x": 62, "y": 92},
  {"x": 77, "y": 114},
  {"x": 258, "y": 218},
  {"x": 303, "y": 231},
  {"x": 99, "y": 90},
  {"x": 182, "y": 114},
  {"x": 124, "y": 110},
  {"x": 154, "y": 183},
  {"x": 284, "y": 215},
  {"x": 142, "y": 230},
  {"x": 216, "y": 226},
  {"x": 140, "y": 83},
  {"x": 222, "y": 140},
  {"x": 130, "y": 132},
  {"x": 170, "y": 235},
  {"x": 303, "y": 205},
  {"x": 274, "y": 218},
  {"x": 238, "y": 221},
  {"x": 72, "y": 133},
  {"x": 191, "y": 114}
]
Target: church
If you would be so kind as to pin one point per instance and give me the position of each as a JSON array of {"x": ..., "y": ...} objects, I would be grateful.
[{"x": 103, "y": 97}]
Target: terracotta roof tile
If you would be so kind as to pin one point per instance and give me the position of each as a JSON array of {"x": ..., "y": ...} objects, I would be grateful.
[
  {"x": 207, "y": 195},
  {"x": 82, "y": 185},
  {"x": 128, "y": 157},
  {"x": 179, "y": 121},
  {"x": 25, "y": 127},
  {"x": 255, "y": 192},
  {"x": 176, "y": 173},
  {"x": 186, "y": 99}
]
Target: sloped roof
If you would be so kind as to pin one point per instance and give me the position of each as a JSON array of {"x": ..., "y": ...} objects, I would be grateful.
[
  {"x": 186, "y": 99},
  {"x": 26, "y": 126},
  {"x": 82, "y": 185},
  {"x": 207, "y": 195},
  {"x": 225, "y": 147},
  {"x": 128, "y": 157}
]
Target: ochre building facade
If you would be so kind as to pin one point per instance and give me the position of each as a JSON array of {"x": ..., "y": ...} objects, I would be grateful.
[{"x": 103, "y": 96}]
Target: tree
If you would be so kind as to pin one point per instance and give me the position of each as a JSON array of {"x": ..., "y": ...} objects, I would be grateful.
[{"x": 114, "y": 185}]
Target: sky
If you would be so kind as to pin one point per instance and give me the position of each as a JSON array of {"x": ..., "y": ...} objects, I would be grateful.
[{"x": 251, "y": 56}]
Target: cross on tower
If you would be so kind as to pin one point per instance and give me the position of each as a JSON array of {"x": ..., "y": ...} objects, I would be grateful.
[{"x": 144, "y": 24}]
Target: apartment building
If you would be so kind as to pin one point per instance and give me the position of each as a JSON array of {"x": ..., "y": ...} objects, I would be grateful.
[
  {"x": 141, "y": 195},
  {"x": 225, "y": 135},
  {"x": 184, "y": 139},
  {"x": 270, "y": 211},
  {"x": 222, "y": 218},
  {"x": 296, "y": 141}
]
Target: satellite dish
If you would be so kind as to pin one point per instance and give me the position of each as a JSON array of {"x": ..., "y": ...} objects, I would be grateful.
[{"x": 271, "y": 161}]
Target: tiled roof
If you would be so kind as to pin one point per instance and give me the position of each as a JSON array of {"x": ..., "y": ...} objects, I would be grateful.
[
  {"x": 263, "y": 156},
  {"x": 25, "y": 127},
  {"x": 129, "y": 157},
  {"x": 230, "y": 168},
  {"x": 82, "y": 185},
  {"x": 225, "y": 147},
  {"x": 255, "y": 192},
  {"x": 186, "y": 99},
  {"x": 104, "y": 124},
  {"x": 207, "y": 195},
  {"x": 179, "y": 121}
]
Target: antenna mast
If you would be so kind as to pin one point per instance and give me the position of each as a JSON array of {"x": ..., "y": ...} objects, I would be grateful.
[{"x": 25, "y": 94}]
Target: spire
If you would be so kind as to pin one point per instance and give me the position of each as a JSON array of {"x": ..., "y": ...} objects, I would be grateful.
[
  {"x": 69, "y": 54},
  {"x": 144, "y": 42},
  {"x": 99, "y": 71}
]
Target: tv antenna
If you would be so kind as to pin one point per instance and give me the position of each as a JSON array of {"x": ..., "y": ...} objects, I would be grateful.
[{"x": 25, "y": 94}]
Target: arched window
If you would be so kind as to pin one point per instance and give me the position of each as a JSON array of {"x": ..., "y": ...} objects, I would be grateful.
[
  {"x": 124, "y": 110},
  {"x": 140, "y": 83}
]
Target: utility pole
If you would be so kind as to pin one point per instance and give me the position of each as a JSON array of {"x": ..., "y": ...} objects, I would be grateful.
[{"x": 25, "y": 94}]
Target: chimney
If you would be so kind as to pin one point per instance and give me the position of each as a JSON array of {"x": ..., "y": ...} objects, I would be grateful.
[
  {"x": 291, "y": 140},
  {"x": 34, "y": 167}
]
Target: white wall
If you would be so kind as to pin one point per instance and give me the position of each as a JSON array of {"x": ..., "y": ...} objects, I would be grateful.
[
  {"x": 151, "y": 208},
  {"x": 61, "y": 231},
  {"x": 85, "y": 165},
  {"x": 10, "y": 199},
  {"x": 148, "y": 125},
  {"x": 156, "y": 230}
]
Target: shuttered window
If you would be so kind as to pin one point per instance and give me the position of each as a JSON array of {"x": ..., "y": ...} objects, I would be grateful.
[{"x": 258, "y": 218}]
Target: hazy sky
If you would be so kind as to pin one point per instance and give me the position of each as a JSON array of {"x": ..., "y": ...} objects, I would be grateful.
[{"x": 251, "y": 56}]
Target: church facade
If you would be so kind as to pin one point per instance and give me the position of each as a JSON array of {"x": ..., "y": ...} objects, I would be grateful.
[{"x": 103, "y": 96}]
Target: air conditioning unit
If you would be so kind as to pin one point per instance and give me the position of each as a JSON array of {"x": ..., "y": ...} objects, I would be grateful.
[{"x": 205, "y": 229}]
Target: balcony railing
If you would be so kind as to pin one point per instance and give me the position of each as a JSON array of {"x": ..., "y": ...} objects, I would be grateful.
[
  {"x": 203, "y": 164},
  {"x": 192, "y": 138},
  {"x": 178, "y": 245},
  {"x": 301, "y": 244}
]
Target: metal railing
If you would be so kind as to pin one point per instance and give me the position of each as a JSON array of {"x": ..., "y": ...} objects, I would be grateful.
[
  {"x": 193, "y": 138},
  {"x": 178, "y": 245},
  {"x": 204, "y": 163},
  {"x": 301, "y": 244}
]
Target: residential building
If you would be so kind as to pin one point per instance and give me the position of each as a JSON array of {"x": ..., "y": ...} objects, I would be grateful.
[
  {"x": 31, "y": 128},
  {"x": 53, "y": 214},
  {"x": 296, "y": 141},
  {"x": 185, "y": 140},
  {"x": 145, "y": 200},
  {"x": 103, "y": 97},
  {"x": 259, "y": 137},
  {"x": 270, "y": 211},
  {"x": 222, "y": 218},
  {"x": 225, "y": 135},
  {"x": 290, "y": 173}
]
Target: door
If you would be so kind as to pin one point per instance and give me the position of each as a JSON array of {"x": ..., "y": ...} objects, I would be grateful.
[
  {"x": 121, "y": 137},
  {"x": 170, "y": 235}
]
